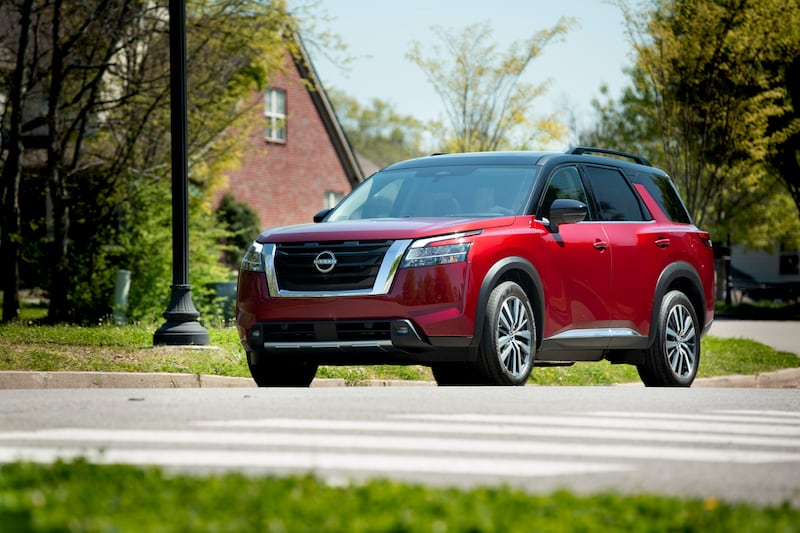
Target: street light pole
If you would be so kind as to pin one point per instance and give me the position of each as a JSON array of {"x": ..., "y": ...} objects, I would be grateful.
[{"x": 181, "y": 327}]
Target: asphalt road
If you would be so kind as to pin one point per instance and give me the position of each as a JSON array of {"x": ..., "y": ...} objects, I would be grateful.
[{"x": 730, "y": 444}]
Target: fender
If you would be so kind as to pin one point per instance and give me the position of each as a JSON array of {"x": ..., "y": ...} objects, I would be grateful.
[
  {"x": 683, "y": 276},
  {"x": 521, "y": 271}
]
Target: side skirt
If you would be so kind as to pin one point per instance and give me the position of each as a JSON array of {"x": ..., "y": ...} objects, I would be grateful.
[{"x": 591, "y": 345}]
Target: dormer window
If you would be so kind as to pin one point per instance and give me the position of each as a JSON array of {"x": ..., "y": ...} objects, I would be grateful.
[{"x": 275, "y": 114}]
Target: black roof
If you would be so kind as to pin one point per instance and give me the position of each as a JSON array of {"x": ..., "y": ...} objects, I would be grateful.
[
  {"x": 472, "y": 158},
  {"x": 578, "y": 154}
]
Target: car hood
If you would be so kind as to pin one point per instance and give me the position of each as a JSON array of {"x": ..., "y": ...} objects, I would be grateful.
[{"x": 379, "y": 229}]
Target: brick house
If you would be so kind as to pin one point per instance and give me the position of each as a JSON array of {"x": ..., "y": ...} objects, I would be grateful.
[{"x": 297, "y": 160}]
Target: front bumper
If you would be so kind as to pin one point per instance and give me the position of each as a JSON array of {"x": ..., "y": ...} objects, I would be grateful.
[{"x": 341, "y": 342}]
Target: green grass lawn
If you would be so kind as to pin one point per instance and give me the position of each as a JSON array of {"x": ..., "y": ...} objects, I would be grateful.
[
  {"x": 81, "y": 497},
  {"x": 110, "y": 348}
]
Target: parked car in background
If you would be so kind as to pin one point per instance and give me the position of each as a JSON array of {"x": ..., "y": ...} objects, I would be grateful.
[{"x": 483, "y": 266}]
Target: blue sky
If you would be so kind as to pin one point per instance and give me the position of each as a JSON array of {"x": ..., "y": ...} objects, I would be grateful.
[{"x": 378, "y": 34}]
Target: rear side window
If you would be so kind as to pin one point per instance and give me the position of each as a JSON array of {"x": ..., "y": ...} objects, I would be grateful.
[
  {"x": 663, "y": 192},
  {"x": 614, "y": 197}
]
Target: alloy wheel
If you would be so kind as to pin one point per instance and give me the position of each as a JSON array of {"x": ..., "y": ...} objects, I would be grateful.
[
  {"x": 514, "y": 346},
  {"x": 681, "y": 341}
]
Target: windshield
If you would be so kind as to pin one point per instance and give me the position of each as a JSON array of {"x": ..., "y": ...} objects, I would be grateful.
[{"x": 440, "y": 191}]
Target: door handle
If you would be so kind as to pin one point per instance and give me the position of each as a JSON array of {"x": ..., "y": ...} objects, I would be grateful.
[
  {"x": 600, "y": 245},
  {"x": 662, "y": 242}
]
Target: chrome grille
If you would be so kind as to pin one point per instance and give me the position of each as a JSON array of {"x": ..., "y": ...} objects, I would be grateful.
[{"x": 357, "y": 265}]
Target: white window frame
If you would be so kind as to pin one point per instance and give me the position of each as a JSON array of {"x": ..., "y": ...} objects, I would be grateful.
[
  {"x": 332, "y": 198},
  {"x": 275, "y": 115}
]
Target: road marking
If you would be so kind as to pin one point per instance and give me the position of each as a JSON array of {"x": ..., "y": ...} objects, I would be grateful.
[
  {"x": 781, "y": 415},
  {"x": 103, "y": 438},
  {"x": 483, "y": 426},
  {"x": 747, "y": 417},
  {"x": 619, "y": 421},
  {"x": 313, "y": 461},
  {"x": 451, "y": 444}
]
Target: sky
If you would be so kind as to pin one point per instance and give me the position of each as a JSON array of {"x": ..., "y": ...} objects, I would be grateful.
[{"x": 378, "y": 34}]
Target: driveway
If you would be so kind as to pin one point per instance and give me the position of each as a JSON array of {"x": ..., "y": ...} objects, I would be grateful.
[{"x": 781, "y": 335}]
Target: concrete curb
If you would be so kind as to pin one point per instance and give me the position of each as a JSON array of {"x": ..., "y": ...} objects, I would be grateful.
[
  {"x": 788, "y": 378},
  {"x": 157, "y": 380},
  {"x": 781, "y": 379}
]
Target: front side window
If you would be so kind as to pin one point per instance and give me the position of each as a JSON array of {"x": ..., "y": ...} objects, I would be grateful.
[
  {"x": 565, "y": 184},
  {"x": 440, "y": 191},
  {"x": 275, "y": 114}
]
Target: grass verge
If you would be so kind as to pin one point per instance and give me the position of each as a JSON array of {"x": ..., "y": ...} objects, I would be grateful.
[
  {"x": 109, "y": 348},
  {"x": 82, "y": 497}
]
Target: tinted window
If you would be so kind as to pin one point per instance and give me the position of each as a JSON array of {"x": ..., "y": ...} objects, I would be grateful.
[
  {"x": 440, "y": 191},
  {"x": 615, "y": 199},
  {"x": 565, "y": 183},
  {"x": 663, "y": 192}
]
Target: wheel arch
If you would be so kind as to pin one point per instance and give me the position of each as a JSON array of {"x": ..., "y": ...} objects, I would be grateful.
[
  {"x": 683, "y": 277},
  {"x": 523, "y": 273}
]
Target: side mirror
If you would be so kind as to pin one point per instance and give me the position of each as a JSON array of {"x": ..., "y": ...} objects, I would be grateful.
[
  {"x": 566, "y": 211},
  {"x": 321, "y": 215}
]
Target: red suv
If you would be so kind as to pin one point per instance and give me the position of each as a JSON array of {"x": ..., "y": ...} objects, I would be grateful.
[{"x": 482, "y": 265}]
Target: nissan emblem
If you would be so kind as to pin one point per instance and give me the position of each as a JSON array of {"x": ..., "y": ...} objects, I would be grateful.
[{"x": 325, "y": 261}]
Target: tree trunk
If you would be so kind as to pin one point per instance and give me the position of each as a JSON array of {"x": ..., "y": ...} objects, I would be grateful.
[
  {"x": 9, "y": 246},
  {"x": 11, "y": 176},
  {"x": 58, "y": 310}
]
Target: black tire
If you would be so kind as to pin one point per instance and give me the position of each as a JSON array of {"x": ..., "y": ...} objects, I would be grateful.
[
  {"x": 674, "y": 357},
  {"x": 508, "y": 344},
  {"x": 454, "y": 374},
  {"x": 274, "y": 374}
]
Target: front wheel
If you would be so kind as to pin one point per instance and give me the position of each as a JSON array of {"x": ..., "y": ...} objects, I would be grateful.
[
  {"x": 508, "y": 344},
  {"x": 280, "y": 374},
  {"x": 673, "y": 359}
]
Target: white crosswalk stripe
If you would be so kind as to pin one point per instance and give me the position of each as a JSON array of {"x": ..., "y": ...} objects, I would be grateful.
[{"x": 460, "y": 444}]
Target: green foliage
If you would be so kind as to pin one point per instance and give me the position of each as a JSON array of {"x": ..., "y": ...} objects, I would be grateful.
[
  {"x": 108, "y": 175},
  {"x": 240, "y": 223},
  {"x": 709, "y": 102},
  {"x": 378, "y": 132},
  {"x": 486, "y": 105},
  {"x": 81, "y": 497}
]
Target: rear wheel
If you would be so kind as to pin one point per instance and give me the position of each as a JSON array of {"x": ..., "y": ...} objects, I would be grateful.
[
  {"x": 281, "y": 374},
  {"x": 673, "y": 359},
  {"x": 508, "y": 344}
]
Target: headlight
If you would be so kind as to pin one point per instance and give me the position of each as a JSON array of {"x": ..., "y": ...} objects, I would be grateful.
[
  {"x": 252, "y": 260},
  {"x": 427, "y": 253}
]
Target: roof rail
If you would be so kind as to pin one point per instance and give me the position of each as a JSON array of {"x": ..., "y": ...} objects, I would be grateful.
[{"x": 579, "y": 150}]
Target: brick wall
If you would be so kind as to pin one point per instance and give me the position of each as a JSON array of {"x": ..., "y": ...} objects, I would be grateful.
[{"x": 286, "y": 182}]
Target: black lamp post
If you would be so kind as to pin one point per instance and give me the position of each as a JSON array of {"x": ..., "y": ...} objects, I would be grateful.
[{"x": 181, "y": 327}]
